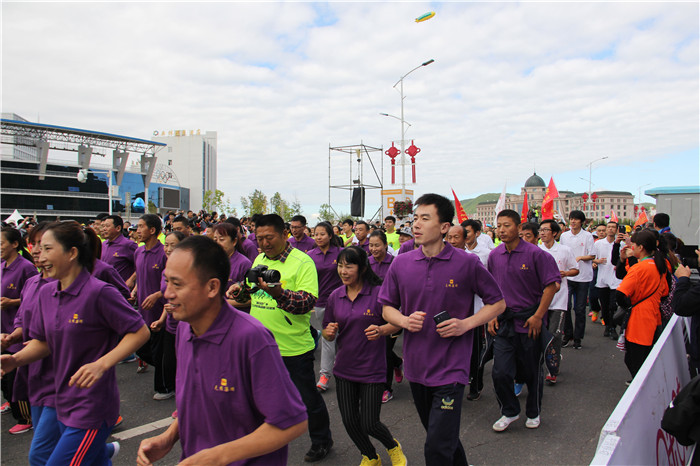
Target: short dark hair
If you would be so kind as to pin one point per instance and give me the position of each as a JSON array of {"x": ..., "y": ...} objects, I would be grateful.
[
  {"x": 390, "y": 217},
  {"x": 271, "y": 220},
  {"x": 116, "y": 219},
  {"x": 182, "y": 219},
  {"x": 577, "y": 215},
  {"x": 152, "y": 221},
  {"x": 445, "y": 209},
  {"x": 476, "y": 226},
  {"x": 178, "y": 234},
  {"x": 299, "y": 218},
  {"x": 362, "y": 222},
  {"x": 348, "y": 221},
  {"x": 511, "y": 214},
  {"x": 101, "y": 216},
  {"x": 208, "y": 259},
  {"x": 379, "y": 234},
  {"x": 530, "y": 226},
  {"x": 554, "y": 226},
  {"x": 662, "y": 220}
]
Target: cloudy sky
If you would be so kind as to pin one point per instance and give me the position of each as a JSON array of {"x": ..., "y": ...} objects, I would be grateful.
[{"x": 514, "y": 87}]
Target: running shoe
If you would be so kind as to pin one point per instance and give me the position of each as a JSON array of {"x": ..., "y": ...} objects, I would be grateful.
[
  {"x": 473, "y": 396},
  {"x": 518, "y": 388},
  {"x": 613, "y": 334},
  {"x": 131, "y": 358},
  {"x": 163, "y": 396},
  {"x": 577, "y": 344},
  {"x": 533, "y": 423},
  {"x": 503, "y": 423},
  {"x": 143, "y": 367},
  {"x": 398, "y": 374},
  {"x": 119, "y": 421},
  {"x": 5, "y": 408},
  {"x": 113, "y": 450},
  {"x": 20, "y": 429},
  {"x": 396, "y": 455},
  {"x": 322, "y": 383},
  {"x": 387, "y": 396},
  {"x": 594, "y": 316},
  {"x": 371, "y": 462},
  {"x": 590, "y": 314},
  {"x": 565, "y": 342},
  {"x": 174, "y": 415},
  {"x": 551, "y": 379}
]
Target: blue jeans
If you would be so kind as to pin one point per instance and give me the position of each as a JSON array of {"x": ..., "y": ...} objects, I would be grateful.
[{"x": 578, "y": 292}]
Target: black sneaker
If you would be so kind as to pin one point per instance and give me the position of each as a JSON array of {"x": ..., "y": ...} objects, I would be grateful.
[
  {"x": 473, "y": 396},
  {"x": 565, "y": 342},
  {"x": 606, "y": 333},
  {"x": 577, "y": 344},
  {"x": 613, "y": 334},
  {"x": 318, "y": 452}
]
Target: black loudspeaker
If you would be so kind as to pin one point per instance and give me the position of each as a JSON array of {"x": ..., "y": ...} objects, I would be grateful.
[{"x": 357, "y": 206}]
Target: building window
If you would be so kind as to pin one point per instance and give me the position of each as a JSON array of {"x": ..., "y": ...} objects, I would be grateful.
[
  {"x": 170, "y": 161},
  {"x": 170, "y": 149}
]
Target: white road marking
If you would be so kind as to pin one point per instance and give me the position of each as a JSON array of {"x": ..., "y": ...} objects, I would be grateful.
[{"x": 144, "y": 429}]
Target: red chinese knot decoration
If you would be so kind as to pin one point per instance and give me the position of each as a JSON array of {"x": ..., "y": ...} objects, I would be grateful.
[
  {"x": 413, "y": 151},
  {"x": 392, "y": 152}
]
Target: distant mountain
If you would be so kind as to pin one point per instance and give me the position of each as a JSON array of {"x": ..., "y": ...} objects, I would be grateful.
[{"x": 470, "y": 204}]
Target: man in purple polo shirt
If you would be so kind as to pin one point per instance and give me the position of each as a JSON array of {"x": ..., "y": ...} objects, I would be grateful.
[
  {"x": 150, "y": 263},
  {"x": 529, "y": 278},
  {"x": 299, "y": 238},
  {"x": 437, "y": 350},
  {"x": 362, "y": 233},
  {"x": 235, "y": 400},
  {"x": 117, "y": 250}
]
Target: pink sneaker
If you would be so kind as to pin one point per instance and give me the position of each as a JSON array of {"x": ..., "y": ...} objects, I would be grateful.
[
  {"x": 322, "y": 384},
  {"x": 20, "y": 429},
  {"x": 398, "y": 374},
  {"x": 387, "y": 396},
  {"x": 174, "y": 415},
  {"x": 5, "y": 408}
]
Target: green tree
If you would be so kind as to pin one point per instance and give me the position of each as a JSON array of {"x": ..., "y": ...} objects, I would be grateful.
[
  {"x": 326, "y": 213},
  {"x": 215, "y": 201},
  {"x": 280, "y": 207},
  {"x": 295, "y": 208},
  {"x": 254, "y": 203}
]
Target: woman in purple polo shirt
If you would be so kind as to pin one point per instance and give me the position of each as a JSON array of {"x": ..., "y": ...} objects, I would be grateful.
[
  {"x": 353, "y": 317},
  {"x": 78, "y": 322},
  {"x": 380, "y": 260},
  {"x": 169, "y": 359},
  {"x": 228, "y": 238},
  {"x": 17, "y": 267},
  {"x": 325, "y": 256}
]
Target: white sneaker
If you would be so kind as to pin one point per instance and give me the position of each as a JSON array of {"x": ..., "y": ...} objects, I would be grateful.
[
  {"x": 533, "y": 423},
  {"x": 163, "y": 396},
  {"x": 503, "y": 423},
  {"x": 117, "y": 447}
]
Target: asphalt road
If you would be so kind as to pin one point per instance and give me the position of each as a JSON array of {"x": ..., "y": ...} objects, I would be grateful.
[{"x": 590, "y": 384}]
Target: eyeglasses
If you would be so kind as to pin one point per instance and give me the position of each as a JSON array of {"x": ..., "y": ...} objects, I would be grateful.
[{"x": 545, "y": 229}]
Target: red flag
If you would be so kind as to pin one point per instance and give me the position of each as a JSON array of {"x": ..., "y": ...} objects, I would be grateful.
[
  {"x": 642, "y": 219},
  {"x": 548, "y": 201},
  {"x": 461, "y": 214},
  {"x": 613, "y": 216},
  {"x": 523, "y": 214}
]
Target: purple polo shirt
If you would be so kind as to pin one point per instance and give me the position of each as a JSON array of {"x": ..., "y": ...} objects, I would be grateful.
[
  {"x": 170, "y": 323},
  {"x": 231, "y": 380},
  {"x": 408, "y": 246},
  {"x": 81, "y": 324},
  {"x": 239, "y": 266},
  {"x": 381, "y": 268},
  {"x": 108, "y": 274},
  {"x": 522, "y": 274},
  {"x": 446, "y": 282},
  {"x": 119, "y": 253},
  {"x": 364, "y": 246},
  {"x": 305, "y": 245},
  {"x": 12, "y": 279},
  {"x": 39, "y": 376},
  {"x": 356, "y": 358},
  {"x": 252, "y": 238},
  {"x": 327, "y": 269},
  {"x": 150, "y": 264},
  {"x": 251, "y": 249}
]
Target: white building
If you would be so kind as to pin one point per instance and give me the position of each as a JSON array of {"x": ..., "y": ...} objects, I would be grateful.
[{"x": 191, "y": 154}]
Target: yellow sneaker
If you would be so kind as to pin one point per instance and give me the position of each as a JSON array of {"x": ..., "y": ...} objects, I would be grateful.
[
  {"x": 368, "y": 462},
  {"x": 397, "y": 456}
]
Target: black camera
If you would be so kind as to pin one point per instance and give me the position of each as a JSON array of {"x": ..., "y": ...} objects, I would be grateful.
[{"x": 269, "y": 276}]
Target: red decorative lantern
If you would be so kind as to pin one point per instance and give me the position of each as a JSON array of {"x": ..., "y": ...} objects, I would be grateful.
[
  {"x": 413, "y": 151},
  {"x": 594, "y": 197},
  {"x": 392, "y": 152},
  {"x": 636, "y": 208},
  {"x": 585, "y": 198}
]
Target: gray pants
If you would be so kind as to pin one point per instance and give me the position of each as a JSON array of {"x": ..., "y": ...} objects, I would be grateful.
[{"x": 327, "y": 347}]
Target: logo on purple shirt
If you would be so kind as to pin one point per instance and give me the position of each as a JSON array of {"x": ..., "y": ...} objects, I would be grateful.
[
  {"x": 451, "y": 284},
  {"x": 223, "y": 386},
  {"x": 75, "y": 320}
]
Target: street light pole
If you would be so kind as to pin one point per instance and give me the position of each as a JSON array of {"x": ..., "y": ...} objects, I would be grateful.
[
  {"x": 590, "y": 172},
  {"x": 403, "y": 129}
]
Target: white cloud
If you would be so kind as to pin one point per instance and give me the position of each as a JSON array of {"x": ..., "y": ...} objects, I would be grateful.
[{"x": 513, "y": 86}]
